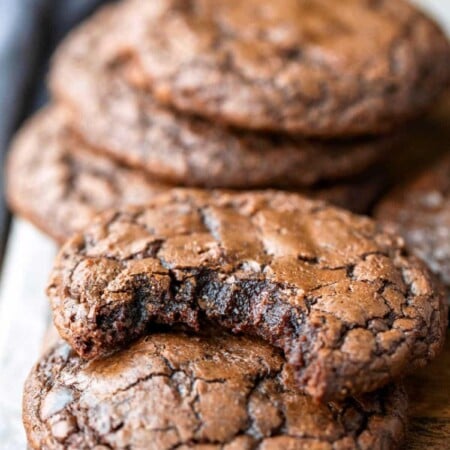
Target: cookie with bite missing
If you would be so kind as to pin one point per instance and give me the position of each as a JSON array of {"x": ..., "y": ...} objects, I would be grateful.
[{"x": 344, "y": 300}]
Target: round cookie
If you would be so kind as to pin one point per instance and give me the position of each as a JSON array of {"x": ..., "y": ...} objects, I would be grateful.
[
  {"x": 125, "y": 123},
  {"x": 305, "y": 66},
  {"x": 178, "y": 391},
  {"x": 420, "y": 211},
  {"x": 58, "y": 183},
  {"x": 350, "y": 308},
  {"x": 54, "y": 181}
]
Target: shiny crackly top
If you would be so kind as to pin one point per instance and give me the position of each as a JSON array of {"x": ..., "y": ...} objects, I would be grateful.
[
  {"x": 344, "y": 300},
  {"x": 173, "y": 389}
]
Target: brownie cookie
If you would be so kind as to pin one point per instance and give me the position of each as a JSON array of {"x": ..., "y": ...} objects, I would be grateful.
[
  {"x": 420, "y": 211},
  {"x": 349, "y": 307},
  {"x": 172, "y": 391},
  {"x": 307, "y": 66},
  {"x": 59, "y": 184},
  {"x": 56, "y": 183},
  {"x": 127, "y": 124}
]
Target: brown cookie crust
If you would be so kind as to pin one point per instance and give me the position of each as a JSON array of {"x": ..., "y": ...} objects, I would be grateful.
[
  {"x": 58, "y": 183},
  {"x": 127, "y": 124},
  {"x": 177, "y": 391},
  {"x": 54, "y": 181},
  {"x": 420, "y": 212},
  {"x": 349, "y": 307},
  {"x": 305, "y": 66}
]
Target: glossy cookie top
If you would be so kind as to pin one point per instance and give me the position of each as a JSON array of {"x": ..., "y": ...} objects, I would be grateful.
[
  {"x": 347, "y": 304},
  {"x": 179, "y": 391},
  {"x": 310, "y": 66}
]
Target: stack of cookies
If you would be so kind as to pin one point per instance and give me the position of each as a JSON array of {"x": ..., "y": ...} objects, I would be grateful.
[
  {"x": 199, "y": 309},
  {"x": 225, "y": 95},
  {"x": 236, "y": 321}
]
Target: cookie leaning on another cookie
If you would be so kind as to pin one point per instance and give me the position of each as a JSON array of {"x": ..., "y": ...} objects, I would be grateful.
[
  {"x": 179, "y": 391},
  {"x": 54, "y": 181},
  {"x": 347, "y": 304},
  {"x": 309, "y": 66},
  {"x": 127, "y": 124},
  {"x": 420, "y": 211},
  {"x": 58, "y": 183}
]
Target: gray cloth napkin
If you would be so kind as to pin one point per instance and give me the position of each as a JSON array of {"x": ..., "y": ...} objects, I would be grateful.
[
  {"x": 19, "y": 38},
  {"x": 67, "y": 13},
  {"x": 29, "y": 32}
]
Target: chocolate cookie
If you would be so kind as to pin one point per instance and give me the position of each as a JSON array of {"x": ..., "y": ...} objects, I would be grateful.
[
  {"x": 349, "y": 307},
  {"x": 420, "y": 211},
  {"x": 308, "y": 66},
  {"x": 54, "y": 181},
  {"x": 57, "y": 183},
  {"x": 177, "y": 391},
  {"x": 127, "y": 124}
]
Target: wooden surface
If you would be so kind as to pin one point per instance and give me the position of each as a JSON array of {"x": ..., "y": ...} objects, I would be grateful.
[{"x": 429, "y": 392}]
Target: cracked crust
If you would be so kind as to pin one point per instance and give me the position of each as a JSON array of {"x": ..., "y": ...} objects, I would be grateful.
[
  {"x": 349, "y": 307},
  {"x": 359, "y": 67},
  {"x": 420, "y": 211},
  {"x": 173, "y": 391},
  {"x": 125, "y": 123},
  {"x": 59, "y": 184},
  {"x": 54, "y": 181}
]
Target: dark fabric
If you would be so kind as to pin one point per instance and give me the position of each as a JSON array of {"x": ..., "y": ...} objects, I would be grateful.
[
  {"x": 29, "y": 32},
  {"x": 67, "y": 13},
  {"x": 20, "y": 38}
]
